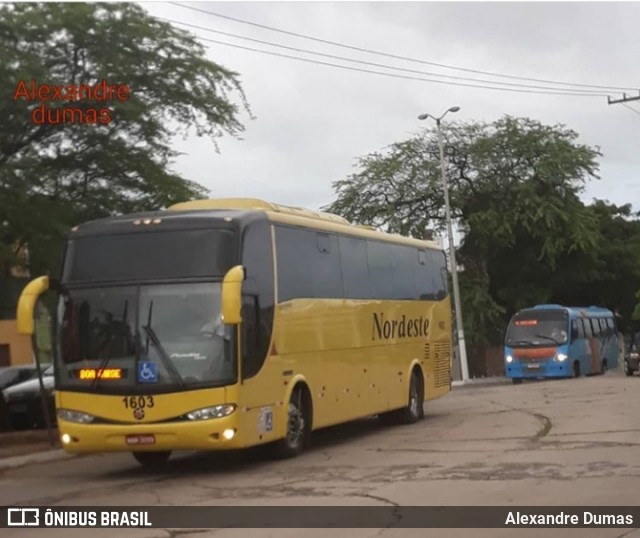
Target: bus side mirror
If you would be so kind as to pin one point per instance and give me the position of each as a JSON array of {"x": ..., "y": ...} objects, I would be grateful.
[
  {"x": 27, "y": 303},
  {"x": 232, "y": 295}
]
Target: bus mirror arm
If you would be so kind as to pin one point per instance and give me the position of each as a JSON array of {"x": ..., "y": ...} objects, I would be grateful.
[
  {"x": 232, "y": 295},
  {"x": 27, "y": 303}
]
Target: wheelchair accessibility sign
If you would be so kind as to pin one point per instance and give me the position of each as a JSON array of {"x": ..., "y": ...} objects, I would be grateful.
[{"x": 147, "y": 372}]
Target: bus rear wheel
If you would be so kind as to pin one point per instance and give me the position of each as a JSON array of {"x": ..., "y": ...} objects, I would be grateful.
[
  {"x": 414, "y": 410},
  {"x": 298, "y": 424},
  {"x": 152, "y": 460}
]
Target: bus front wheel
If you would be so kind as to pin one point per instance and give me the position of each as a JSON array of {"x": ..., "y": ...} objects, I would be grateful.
[
  {"x": 152, "y": 460},
  {"x": 298, "y": 425},
  {"x": 576, "y": 369}
]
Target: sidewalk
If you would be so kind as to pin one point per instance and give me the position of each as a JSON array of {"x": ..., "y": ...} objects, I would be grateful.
[
  {"x": 32, "y": 446},
  {"x": 481, "y": 382}
]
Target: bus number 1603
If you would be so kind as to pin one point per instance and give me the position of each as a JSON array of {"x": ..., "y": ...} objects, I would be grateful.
[{"x": 137, "y": 402}]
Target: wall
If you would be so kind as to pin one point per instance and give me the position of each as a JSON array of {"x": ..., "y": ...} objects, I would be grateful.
[{"x": 20, "y": 350}]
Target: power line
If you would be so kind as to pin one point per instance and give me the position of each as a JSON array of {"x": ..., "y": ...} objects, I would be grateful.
[
  {"x": 373, "y": 64},
  {"x": 397, "y": 57},
  {"x": 631, "y": 108},
  {"x": 405, "y": 77}
]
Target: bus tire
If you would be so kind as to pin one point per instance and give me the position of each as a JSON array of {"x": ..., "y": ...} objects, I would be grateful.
[
  {"x": 298, "y": 426},
  {"x": 576, "y": 369},
  {"x": 414, "y": 411},
  {"x": 152, "y": 460},
  {"x": 516, "y": 380}
]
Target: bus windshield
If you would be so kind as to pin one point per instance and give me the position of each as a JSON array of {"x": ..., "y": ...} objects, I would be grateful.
[
  {"x": 142, "y": 339},
  {"x": 542, "y": 328}
]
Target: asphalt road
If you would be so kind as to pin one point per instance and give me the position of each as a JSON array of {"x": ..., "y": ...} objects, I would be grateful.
[{"x": 570, "y": 442}]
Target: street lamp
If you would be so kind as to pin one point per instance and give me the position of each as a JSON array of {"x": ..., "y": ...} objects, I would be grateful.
[{"x": 462, "y": 349}]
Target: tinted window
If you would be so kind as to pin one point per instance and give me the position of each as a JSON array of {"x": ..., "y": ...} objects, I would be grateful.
[
  {"x": 8, "y": 377},
  {"x": 603, "y": 327},
  {"x": 381, "y": 268},
  {"x": 406, "y": 276},
  {"x": 538, "y": 327},
  {"x": 595, "y": 327},
  {"x": 432, "y": 275},
  {"x": 355, "y": 272},
  {"x": 587, "y": 328},
  {"x": 577, "y": 329},
  {"x": 150, "y": 255},
  {"x": 308, "y": 264},
  {"x": 257, "y": 296},
  {"x": 321, "y": 265}
]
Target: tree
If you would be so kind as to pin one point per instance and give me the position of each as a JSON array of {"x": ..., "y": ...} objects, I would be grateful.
[
  {"x": 91, "y": 157},
  {"x": 514, "y": 187}
]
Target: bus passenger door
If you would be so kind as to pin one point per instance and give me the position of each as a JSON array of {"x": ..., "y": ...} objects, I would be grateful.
[
  {"x": 587, "y": 348},
  {"x": 595, "y": 345}
]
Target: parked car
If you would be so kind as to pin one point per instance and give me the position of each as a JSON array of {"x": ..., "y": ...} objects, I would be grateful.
[
  {"x": 12, "y": 375},
  {"x": 25, "y": 405},
  {"x": 631, "y": 360}
]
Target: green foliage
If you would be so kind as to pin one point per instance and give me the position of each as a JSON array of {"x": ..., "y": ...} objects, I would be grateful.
[
  {"x": 483, "y": 317},
  {"x": 54, "y": 176},
  {"x": 515, "y": 190}
]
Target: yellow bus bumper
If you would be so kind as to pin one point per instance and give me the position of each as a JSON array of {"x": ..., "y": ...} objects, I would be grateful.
[{"x": 211, "y": 434}]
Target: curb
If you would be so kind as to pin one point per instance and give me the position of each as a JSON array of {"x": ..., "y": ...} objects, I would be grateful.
[
  {"x": 481, "y": 382},
  {"x": 16, "y": 462}
]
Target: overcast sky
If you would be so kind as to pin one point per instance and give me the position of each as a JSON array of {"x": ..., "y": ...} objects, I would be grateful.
[{"x": 312, "y": 121}]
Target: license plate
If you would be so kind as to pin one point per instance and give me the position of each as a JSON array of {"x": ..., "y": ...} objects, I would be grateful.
[
  {"x": 533, "y": 366},
  {"x": 141, "y": 439}
]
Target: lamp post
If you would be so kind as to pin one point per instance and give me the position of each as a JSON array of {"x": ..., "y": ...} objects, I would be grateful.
[{"x": 462, "y": 349}]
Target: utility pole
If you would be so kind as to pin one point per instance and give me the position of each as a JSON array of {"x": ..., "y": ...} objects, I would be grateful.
[
  {"x": 462, "y": 348},
  {"x": 624, "y": 99}
]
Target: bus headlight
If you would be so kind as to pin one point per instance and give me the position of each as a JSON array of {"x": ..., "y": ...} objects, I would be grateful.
[
  {"x": 75, "y": 416},
  {"x": 217, "y": 411},
  {"x": 561, "y": 357},
  {"x": 509, "y": 359}
]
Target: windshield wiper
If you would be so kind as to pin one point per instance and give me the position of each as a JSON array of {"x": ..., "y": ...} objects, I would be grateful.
[
  {"x": 166, "y": 360},
  {"x": 106, "y": 360},
  {"x": 164, "y": 356},
  {"x": 547, "y": 337},
  {"x": 520, "y": 342}
]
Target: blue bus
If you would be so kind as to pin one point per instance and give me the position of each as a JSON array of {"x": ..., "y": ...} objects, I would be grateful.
[{"x": 560, "y": 341}]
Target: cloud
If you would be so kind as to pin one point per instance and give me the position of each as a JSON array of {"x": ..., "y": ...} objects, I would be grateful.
[{"x": 312, "y": 121}]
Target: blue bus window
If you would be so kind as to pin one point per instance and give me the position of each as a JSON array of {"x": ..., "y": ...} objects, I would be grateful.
[
  {"x": 587, "y": 328},
  {"x": 575, "y": 330}
]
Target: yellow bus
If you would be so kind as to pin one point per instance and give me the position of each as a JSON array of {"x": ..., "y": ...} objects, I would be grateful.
[{"x": 223, "y": 324}]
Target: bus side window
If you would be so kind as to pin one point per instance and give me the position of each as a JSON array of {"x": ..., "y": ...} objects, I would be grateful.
[
  {"x": 575, "y": 330},
  {"x": 587, "y": 328},
  {"x": 595, "y": 326}
]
